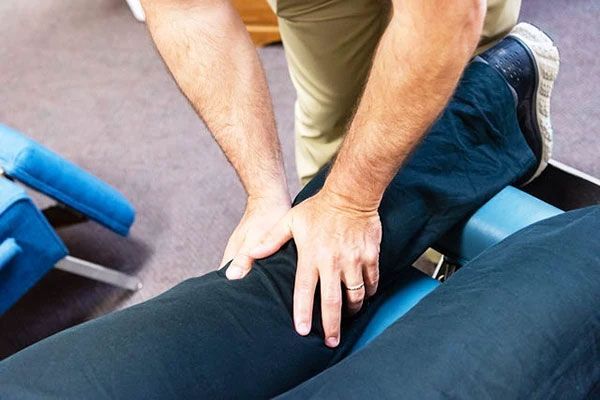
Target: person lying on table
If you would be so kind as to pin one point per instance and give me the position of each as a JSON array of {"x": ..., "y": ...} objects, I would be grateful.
[{"x": 436, "y": 133}]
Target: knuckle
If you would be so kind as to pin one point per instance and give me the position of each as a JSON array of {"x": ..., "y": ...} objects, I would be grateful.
[
  {"x": 372, "y": 257},
  {"x": 335, "y": 267},
  {"x": 356, "y": 297},
  {"x": 266, "y": 239},
  {"x": 374, "y": 282},
  {"x": 303, "y": 286},
  {"x": 333, "y": 260},
  {"x": 332, "y": 330},
  {"x": 302, "y": 314},
  {"x": 372, "y": 289},
  {"x": 331, "y": 321},
  {"x": 372, "y": 274},
  {"x": 332, "y": 300}
]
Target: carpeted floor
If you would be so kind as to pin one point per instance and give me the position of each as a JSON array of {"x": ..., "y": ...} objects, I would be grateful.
[{"x": 82, "y": 77}]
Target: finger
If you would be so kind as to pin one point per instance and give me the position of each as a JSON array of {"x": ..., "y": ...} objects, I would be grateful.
[
  {"x": 241, "y": 263},
  {"x": 239, "y": 267},
  {"x": 371, "y": 275},
  {"x": 331, "y": 306},
  {"x": 272, "y": 241},
  {"x": 230, "y": 251},
  {"x": 354, "y": 288},
  {"x": 304, "y": 295}
]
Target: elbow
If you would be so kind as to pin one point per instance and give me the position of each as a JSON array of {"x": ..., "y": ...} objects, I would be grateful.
[
  {"x": 473, "y": 20},
  {"x": 456, "y": 23},
  {"x": 464, "y": 21}
]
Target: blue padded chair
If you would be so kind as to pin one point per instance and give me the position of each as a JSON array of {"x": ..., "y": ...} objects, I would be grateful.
[
  {"x": 29, "y": 246},
  {"x": 506, "y": 213}
]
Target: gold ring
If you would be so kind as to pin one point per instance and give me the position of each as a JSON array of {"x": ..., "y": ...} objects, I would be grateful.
[{"x": 357, "y": 287}]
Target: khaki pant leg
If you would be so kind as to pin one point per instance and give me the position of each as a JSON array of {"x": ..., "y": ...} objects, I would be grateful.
[
  {"x": 329, "y": 47},
  {"x": 500, "y": 18}
]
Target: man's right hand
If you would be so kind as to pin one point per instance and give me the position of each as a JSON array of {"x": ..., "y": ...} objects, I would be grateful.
[
  {"x": 261, "y": 214},
  {"x": 206, "y": 47}
]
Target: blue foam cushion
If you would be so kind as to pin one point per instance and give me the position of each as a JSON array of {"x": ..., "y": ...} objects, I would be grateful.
[
  {"x": 506, "y": 213},
  {"x": 32, "y": 164},
  {"x": 29, "y": 247}
]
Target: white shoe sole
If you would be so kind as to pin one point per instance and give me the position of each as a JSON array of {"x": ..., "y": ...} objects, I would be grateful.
[{"x": 547, "y": 61}]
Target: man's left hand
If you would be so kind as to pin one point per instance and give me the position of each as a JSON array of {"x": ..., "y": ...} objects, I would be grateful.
[{"x": 338, "y": 245}]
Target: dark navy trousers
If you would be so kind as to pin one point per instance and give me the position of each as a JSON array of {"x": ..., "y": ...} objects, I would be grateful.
[{"x": 520, "y": 321}]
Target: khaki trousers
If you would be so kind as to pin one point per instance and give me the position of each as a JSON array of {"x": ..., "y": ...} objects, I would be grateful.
[{"x": 329, "y": 45}]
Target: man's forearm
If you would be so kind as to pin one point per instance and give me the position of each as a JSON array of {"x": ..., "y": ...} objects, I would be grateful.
[
  {"x": 209, "y": 52},
  {"x": 415, "y": 70}
]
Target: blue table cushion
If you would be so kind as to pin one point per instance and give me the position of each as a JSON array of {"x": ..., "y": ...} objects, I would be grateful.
[
  {"x": 412, "y": 285},
  {"x": 506, "y": 213},
  {"x": 32, "y": 164},
  {"x": 29, "y": 247}
]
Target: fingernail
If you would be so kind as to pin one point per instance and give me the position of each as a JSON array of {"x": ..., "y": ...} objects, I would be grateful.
[
  {"x": 332, "y": 341},
  {"x": 234, "y": 272},
  {"x": 303, "y": 328}
]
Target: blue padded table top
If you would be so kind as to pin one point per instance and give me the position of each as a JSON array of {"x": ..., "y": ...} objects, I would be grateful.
[{"x": 43, "y": 170}]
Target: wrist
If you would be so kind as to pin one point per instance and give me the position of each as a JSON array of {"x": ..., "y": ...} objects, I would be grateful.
[
  {"x": 363, "y": 190},
  {"x": 270, "y": 197},
  {"x": 270, "y": 187},
  {"x": 353, "y": 200}
]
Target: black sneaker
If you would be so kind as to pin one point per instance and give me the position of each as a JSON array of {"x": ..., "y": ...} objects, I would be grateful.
[{"x": 529, "y": 61}]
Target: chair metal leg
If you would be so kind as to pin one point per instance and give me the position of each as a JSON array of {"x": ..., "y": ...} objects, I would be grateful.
[{"x": 99, "y": 273}]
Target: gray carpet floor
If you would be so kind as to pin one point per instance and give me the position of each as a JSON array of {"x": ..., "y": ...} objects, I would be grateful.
[{"x": 83, "y": 78}]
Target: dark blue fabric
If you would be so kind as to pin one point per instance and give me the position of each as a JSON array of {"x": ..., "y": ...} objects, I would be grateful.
[
  {"x": 521, "y": 321},
  {"x": 213, "y": 338}
]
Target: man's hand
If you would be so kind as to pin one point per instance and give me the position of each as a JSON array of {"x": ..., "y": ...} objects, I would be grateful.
[
  {"x": 207, "y": 48},
  {"x": 338, "y": 245},
  {"x": 261, "y": 214}
]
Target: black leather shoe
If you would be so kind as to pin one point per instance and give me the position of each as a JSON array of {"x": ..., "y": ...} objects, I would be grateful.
[{"x": 529, "y": 61}]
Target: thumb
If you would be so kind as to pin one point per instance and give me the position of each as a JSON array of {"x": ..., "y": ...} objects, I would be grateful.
[
  {"x": 239, "y": 267},
  {"x": 279, "y": 235}
]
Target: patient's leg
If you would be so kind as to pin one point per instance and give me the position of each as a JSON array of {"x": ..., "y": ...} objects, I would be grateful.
[
  {"x": 213, "y": 338},
  {"x": 520, "y": 321}
]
